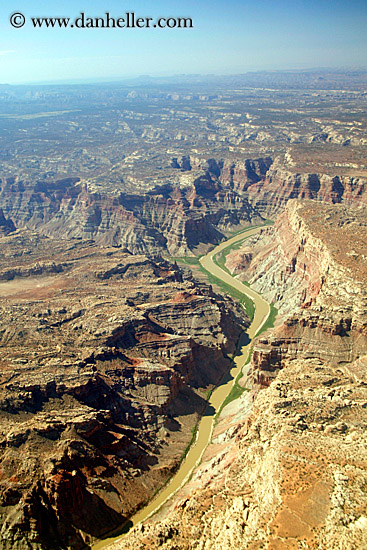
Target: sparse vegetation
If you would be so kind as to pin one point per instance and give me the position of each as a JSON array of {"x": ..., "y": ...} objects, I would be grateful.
[
  {"x": 246, "y": 302},
  {"x": 220, "y": 258},
  {"x": 188, "y": 446},
  {"x": 244, "y": 230},
  {"x": 235, "y": 393},
  {"x": 270, "y": 320},
  {"x": 236, "y": 390},
  {"x": 188, "y": 260}
]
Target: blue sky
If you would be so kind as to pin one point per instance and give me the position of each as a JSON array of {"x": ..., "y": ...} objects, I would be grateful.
[{"x": 228, "y": 37}]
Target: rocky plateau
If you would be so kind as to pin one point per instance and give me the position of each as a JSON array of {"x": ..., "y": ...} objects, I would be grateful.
[
  {"x": 105, "y": 360},
  {"x": 287, "y": 464},
  {"x": 108, "y": 349}
]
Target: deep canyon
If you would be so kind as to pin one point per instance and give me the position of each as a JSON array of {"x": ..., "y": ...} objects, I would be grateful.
[{"x": 112, "y": 336}]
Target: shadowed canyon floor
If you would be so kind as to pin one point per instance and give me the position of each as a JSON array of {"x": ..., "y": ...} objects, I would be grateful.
[
  {"x": 111, "y": 338},
  {"x": 106, "y": 358},
  {"x": 287, "y": 466}
]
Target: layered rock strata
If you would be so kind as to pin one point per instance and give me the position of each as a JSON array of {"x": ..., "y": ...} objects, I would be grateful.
[
  {"x": 312, "y": 266},
  {"x": 185, "y": 215},
  {"x": 168, "y": 219},
  {"x": 268, "y": 184},
  {"x": 270, "y": 194},
  {"x": 287, "y": 466},
  {"x": 288, "y": 474},
  {"x": 105, "y": 358}
]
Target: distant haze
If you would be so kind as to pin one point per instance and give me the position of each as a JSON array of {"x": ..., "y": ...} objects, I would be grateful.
[{"x": 232, "y": 36}]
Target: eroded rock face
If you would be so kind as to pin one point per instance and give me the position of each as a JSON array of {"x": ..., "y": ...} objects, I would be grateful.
[
  {"x": 287, "y": 464},
  {"x": 103, "y": 355},
  {"x": 270, "y": 194},
  {"x": 312, "y": 266},
  {"x": 169, "y": 218},
  {"x": 310, "y": 249},
  {"x": 289, "y": 474},
  {"x": 202, "y": 200},
  {"x": 6, "y": 226}
]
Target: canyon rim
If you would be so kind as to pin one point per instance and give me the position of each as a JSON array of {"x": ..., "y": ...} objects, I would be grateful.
[{"x": 113, "y": 336}]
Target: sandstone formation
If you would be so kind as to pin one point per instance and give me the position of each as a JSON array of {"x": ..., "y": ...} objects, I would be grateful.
[
  {"x": 105, "y": 360},
  {"x": 287, "y": 465},
  {"x": 181, "y": 219},
  {"x": 6, "y": 225},
  {"x": 107, "y": 350},
  {"x": 312, "y": 266},
  {"x": 289, "y": 474},
  {"x": 271, "y": 194},
  {"x": 167, "y": 219}
]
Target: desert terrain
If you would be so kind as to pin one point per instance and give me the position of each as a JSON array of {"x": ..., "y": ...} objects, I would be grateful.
[{"x": 114, "y": 333}]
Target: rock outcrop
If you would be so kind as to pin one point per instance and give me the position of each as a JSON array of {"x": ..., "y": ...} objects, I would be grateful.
[
  {"x": 167, "y": 219},
  {"x": 312, "y": 266},
  {"x": 108, "y": 351},
  {"x": 6, "y": 225},
  {"x": 270, "y": 194},
  {"x": 215, "y": 196},
  {"x": 287, "y": 464},
  {"x": 289, "y": 474},
  {"x": 105, "y": 359}
]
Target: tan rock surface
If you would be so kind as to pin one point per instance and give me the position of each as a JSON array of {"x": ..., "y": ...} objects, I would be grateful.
[
  {"x": 290, "y": 475},
  {"x": 105, "y": 361},
  {"x": 287, "y": 467}
]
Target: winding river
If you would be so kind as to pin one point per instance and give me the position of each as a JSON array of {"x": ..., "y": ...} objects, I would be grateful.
[{"x": 206, "y": 425}]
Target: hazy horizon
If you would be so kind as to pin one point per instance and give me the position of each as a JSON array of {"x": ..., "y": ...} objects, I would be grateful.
[
  {"x": 228, "y": 37},
  {"x": 133, "y": 79}
]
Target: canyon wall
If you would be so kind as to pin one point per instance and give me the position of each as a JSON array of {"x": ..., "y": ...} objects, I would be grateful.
[
  {"x": 270, "y": 194},
  {"x": 179, "y": 217},
  {"x": 287, "y": 464},
  {"x": 105, "y": 361},
  {"x": 269, "y": 183},
  {"x": 311, "y": 265},
  {"x": 167, "y": 219},
  {"x": 106, "y": 355}
]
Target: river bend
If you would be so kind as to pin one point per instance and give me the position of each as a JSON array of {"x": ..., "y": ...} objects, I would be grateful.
[{"x": 219, "y": 394}]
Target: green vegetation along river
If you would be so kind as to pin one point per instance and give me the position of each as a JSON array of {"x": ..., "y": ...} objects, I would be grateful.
[{"x": 219, "y": 394}]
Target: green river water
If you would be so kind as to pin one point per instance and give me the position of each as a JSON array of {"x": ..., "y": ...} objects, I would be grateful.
[{"x": 219, "y": 394}]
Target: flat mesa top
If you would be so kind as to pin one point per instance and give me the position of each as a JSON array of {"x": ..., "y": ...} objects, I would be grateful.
[{"x": 344, "y": 230}]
